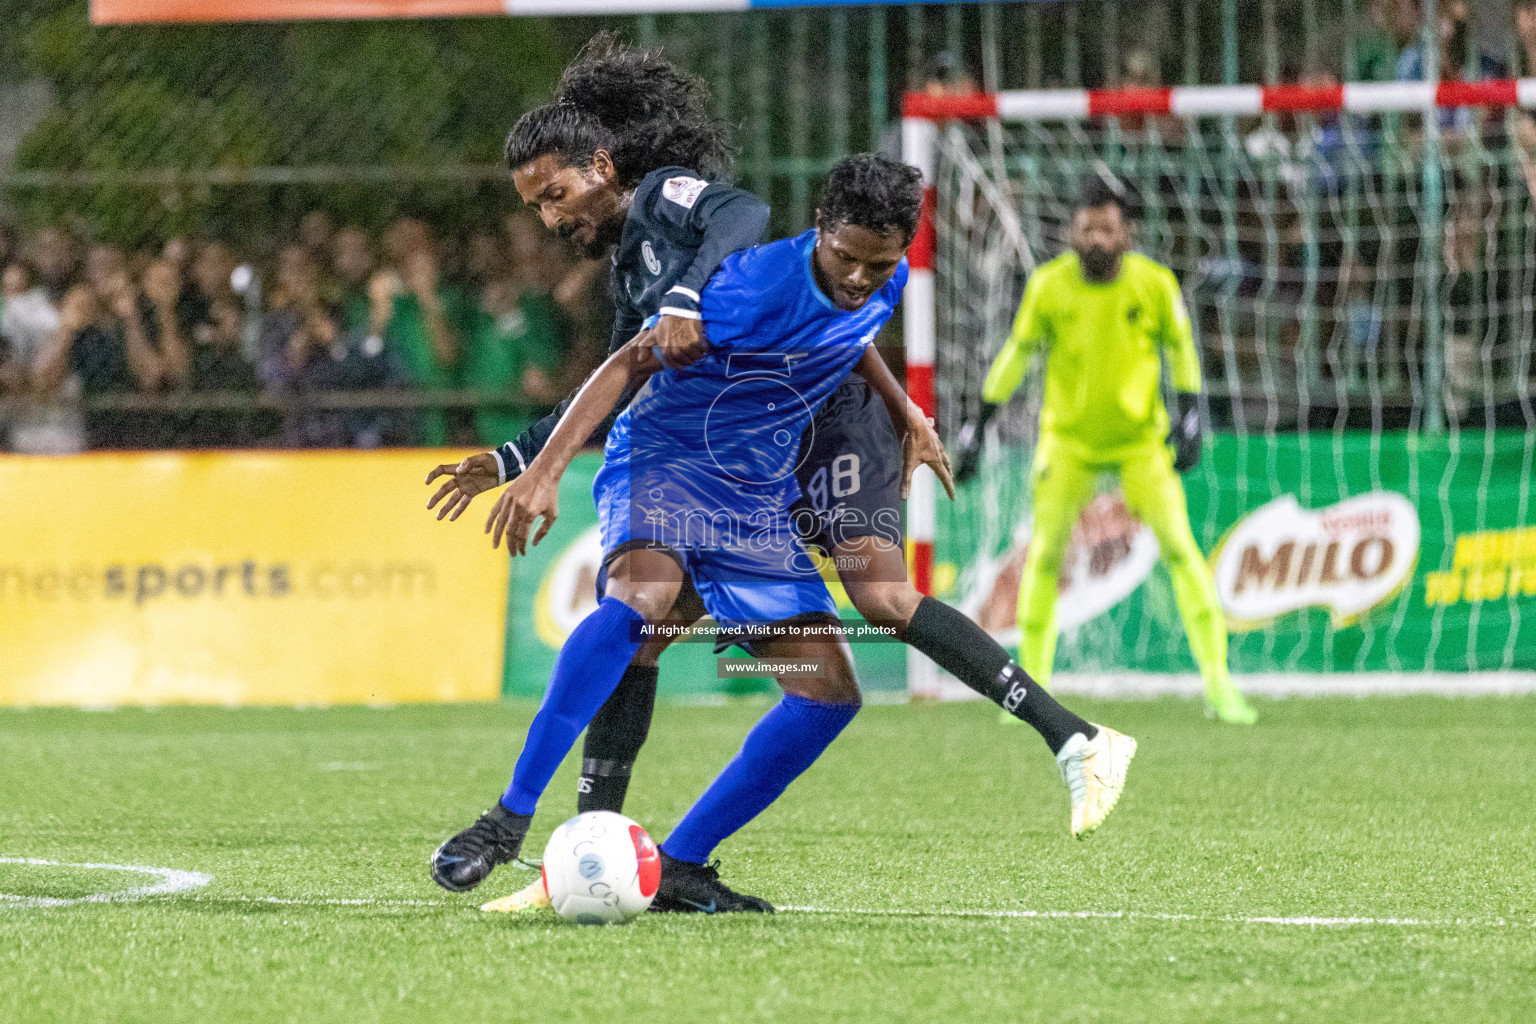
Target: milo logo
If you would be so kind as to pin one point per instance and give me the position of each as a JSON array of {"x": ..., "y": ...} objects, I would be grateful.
[{"x": 1348, "y": 558}]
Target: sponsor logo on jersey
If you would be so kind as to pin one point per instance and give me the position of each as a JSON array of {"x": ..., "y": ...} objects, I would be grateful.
[
  {"x": 649, "y": 255},
  {"x": 683, "y": 191},
  {"x": 1348, "y": 558}
]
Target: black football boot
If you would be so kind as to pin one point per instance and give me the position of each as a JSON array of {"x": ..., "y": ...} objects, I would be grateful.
[
  {"x": 464, "y": 861},
  {"x": 696, "y": 889}
]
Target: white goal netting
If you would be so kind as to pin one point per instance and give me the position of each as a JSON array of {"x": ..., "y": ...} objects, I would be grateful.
[{"x": 1362, "y": 297}]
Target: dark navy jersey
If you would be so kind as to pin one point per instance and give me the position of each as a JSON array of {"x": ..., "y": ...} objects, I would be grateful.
[{"x": 678, "y": 229}]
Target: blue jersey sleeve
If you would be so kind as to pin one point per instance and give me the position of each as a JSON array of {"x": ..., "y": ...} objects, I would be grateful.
[{"x": 732, "y": 306}]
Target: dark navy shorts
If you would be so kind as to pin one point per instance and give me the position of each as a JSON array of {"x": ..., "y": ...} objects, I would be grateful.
[{"x": 850, "y": 471}]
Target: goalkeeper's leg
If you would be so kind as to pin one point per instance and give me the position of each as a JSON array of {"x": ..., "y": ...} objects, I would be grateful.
[
  {"x": 1154, "y": 493},
  {"x": 1063, "y": 485}
]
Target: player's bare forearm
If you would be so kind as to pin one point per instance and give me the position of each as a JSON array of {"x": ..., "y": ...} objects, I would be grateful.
[
  {"x": 534, "y": 495},
  {"x": 871, "y": 366},
  {"x": 625, "y": 369},
  {"x": 920, "y": 443}
]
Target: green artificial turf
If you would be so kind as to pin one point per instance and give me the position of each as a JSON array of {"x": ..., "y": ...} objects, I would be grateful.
[{"x": 918, "y": 826}]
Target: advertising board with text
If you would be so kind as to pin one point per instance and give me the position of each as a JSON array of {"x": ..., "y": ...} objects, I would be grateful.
[
  {"x": 241, "y": 578},
  {"x": 1397, "y": 553}
]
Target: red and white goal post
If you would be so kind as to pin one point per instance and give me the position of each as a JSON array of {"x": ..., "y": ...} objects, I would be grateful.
[{"x": 1067, "y": 129}]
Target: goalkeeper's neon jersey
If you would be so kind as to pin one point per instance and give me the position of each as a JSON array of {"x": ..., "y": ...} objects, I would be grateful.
[{"x": 1103, "y": 344}]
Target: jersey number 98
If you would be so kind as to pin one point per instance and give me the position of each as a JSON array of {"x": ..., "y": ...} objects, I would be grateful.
[{"x": 845, "y": 480}]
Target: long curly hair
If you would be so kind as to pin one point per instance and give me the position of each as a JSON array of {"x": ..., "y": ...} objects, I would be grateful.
[{"x": 634, "y": 103}]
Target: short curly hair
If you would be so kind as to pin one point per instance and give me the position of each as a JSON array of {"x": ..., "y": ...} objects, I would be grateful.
[
  {"x": 871, "y": 191},
  {"x": 634, "y": 103}
]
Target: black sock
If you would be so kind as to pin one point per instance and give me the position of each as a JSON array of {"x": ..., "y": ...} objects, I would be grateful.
[
  {"x": 613, "y": 741},
  {"x": 964, "y": 650}
]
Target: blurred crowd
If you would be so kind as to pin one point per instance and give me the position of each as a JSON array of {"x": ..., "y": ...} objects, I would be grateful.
[
  {"x": 1330, "y": 220},
  {"x": 337, "y": 339}
]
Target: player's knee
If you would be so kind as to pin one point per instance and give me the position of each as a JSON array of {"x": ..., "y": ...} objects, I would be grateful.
[
  {"x": 886, "y": 603},
  {"x": 1047, "y": 551},
  {"x": 835, "y": 682},
  {"x": 1181, "y": 554},
  {"x": 1044, "y": 564},
  {"x": 1036, "y": 615},
  {"x": 1033, "y": 620},
  {"x": 827, "y": 690},
  {"x": 650, "y": 599}
]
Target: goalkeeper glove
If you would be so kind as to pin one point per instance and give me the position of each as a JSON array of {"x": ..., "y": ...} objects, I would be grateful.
[
  {"x": 1185, "y": 434},
  {"x": 968, "y": 443}
]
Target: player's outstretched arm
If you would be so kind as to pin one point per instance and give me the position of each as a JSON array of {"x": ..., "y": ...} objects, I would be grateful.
[
  {"x": 1030, "y": 329},
  {"x": 920, "y": 444},
  {"x": 969, "y": 442},
  {"x": 474, "y": 475},
  {"x": 480, "y": 473},
  {"x": 534, "y": 495},
  {"x": 1184, "y": 429}
]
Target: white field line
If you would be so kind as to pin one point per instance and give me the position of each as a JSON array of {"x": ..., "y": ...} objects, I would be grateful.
[
  {"x": 170, "y": 881},
  {"x": 173, "y": 882},
  {"x": 318, "y": 901},
  {"x": 1117, "y": 685},
  {"x": 1133, "y": 915}
]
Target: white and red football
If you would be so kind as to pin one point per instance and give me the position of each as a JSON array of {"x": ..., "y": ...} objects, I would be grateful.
[{"x": 601, "y": 868}]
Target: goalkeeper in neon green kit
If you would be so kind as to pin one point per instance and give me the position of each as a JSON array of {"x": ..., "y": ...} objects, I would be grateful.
[{"x": 1106, "y": 317}]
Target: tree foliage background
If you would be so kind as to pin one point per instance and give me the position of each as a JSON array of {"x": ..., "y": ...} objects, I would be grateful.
[{"x": 229, "y": 129}]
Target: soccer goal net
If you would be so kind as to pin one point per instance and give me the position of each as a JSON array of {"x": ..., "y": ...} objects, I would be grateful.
[{"x": 1359, "y": 264}]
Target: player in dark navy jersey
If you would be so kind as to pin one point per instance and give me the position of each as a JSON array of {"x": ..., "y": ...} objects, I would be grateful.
[
  {"x": 670, "y": 230},
  {"x": 697, "y": 483},
  {"x": 627, "y": 158}
]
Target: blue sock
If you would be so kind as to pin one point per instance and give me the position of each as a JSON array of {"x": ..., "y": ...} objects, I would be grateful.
[
  {"x": 779, "y": 748},
  {"x": 590, "y": 664}
]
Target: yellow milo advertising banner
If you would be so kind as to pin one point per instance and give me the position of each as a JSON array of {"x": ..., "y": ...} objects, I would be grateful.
[{"x": 242, "y": 578}]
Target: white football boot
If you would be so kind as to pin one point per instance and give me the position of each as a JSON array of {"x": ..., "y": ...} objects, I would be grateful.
[
  {"x": 1094, "y": 774},
  {"x": 529, "y": 900}
]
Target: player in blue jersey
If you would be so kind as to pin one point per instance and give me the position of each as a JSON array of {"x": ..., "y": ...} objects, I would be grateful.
[
  {"x": 698, "y": 481},
  {"x": 670, "y": 226}
]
